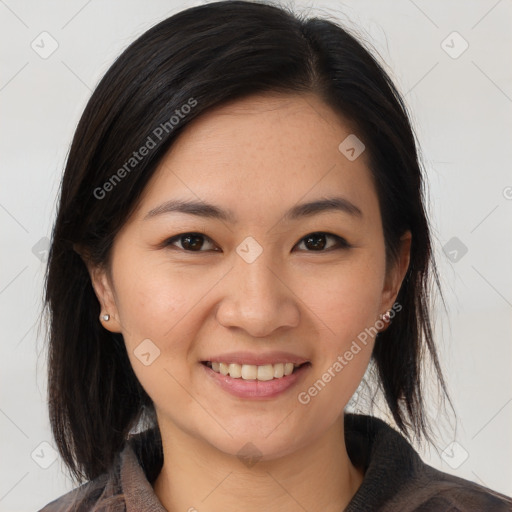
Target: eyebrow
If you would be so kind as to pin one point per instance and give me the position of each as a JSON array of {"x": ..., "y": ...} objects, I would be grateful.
[{"x": 207, "y": 210}]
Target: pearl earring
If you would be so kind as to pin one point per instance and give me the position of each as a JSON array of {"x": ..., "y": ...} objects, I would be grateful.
[
  {"x": 387, "y": 316},
  {"x": 105, "y": 317}
]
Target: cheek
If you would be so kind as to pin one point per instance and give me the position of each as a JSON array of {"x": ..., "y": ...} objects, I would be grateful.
[
  {"x": 156, "y": 305},
  {"x": 347, "y": 307},
  {"x": 165, "y": 304},
  {"x": 346, "y": 297},
  {"x": 150, "y": 299}
]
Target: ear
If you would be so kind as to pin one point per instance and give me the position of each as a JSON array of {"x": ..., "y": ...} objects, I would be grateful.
[
  {"x": 103, "y": 288},
  {"x": 396, "y": 273}
]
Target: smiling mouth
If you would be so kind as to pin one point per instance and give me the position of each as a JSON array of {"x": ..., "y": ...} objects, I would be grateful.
[{"x": 254, "y": 372}]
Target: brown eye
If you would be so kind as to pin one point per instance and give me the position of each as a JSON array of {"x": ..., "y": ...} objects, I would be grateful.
[
  {"x": 190, "y": 242},
  {"x": 317, "y": 242}
]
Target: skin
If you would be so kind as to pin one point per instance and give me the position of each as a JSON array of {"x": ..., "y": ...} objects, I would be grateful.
[{"x": 257, "y": 157}]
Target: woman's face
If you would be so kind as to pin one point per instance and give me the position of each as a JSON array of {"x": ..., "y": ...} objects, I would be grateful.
[{"x": 260, "y": 279}]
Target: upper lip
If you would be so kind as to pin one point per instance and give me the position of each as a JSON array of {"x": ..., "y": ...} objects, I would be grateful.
[{"x": 257, "y": 359}]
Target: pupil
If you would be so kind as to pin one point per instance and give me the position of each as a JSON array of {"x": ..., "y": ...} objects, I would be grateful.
[
  {"x": 317, "y": 245},
  {"x": 192, "y": 245}
]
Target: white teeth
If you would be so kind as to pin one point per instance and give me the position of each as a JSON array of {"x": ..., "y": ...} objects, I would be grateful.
[
  {"x": 235, "y": 371},
  {"x": 253, "y": 372},
  {"x": 278, "y": 370},
  {"x": 265, "y": 372},
  {"x": 247, "y": 371}
]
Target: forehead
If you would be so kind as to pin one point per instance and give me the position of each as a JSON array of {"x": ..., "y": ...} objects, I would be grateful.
[{"x": 257, "y": 152}]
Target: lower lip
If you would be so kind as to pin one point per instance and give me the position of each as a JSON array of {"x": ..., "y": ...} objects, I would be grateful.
[{"x": 256, "y": 388}]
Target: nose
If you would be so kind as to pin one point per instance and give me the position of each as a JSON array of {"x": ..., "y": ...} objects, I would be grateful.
[{"x": 258, "y": 298}]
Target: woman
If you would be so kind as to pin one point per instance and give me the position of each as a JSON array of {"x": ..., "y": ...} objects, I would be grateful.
[{"x": 241, "y": 234}]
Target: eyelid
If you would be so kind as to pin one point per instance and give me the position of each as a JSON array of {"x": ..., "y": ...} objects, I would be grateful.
[
  {"x": 341, "y": 243},
  {"x": 169, "y": 242}
]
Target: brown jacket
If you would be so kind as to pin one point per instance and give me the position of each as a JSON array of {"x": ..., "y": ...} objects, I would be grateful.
[{"x": 395, "y": 479}]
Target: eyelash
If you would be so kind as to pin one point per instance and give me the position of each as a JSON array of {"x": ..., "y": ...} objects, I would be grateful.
[{"x": 341, "y": 243}]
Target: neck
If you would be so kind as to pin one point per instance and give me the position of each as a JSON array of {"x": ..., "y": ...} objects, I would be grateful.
[{"x": 197, "y": 476}]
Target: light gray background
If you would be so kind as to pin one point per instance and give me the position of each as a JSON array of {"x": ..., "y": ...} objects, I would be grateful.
[{"x": 462, "y": 113}]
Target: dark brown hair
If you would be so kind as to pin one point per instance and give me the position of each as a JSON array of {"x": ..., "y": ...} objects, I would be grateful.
[{"x": 212, "y": 54}]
